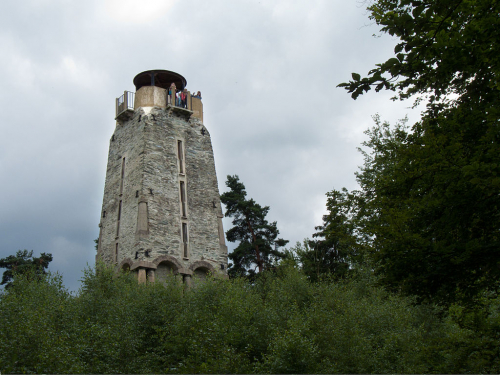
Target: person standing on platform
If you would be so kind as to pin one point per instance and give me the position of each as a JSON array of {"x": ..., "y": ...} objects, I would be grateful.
[{"x": 184, "y": 98}]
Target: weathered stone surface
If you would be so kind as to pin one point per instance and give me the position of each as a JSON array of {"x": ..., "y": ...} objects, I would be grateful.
[
  {"x": 149, "y": 226},
  {"x": 150, "y": 96}
]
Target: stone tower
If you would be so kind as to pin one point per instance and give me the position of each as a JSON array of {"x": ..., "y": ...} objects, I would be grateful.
[{"x": 161, "y": 211}]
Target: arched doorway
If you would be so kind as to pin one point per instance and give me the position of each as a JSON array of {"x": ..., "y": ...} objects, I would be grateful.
[
  {"x": 201, "y": 272},
  {"x": 201, "y": 269},
  {"x": 164, "y": 270},
  {"x": 126, "y": 267}
]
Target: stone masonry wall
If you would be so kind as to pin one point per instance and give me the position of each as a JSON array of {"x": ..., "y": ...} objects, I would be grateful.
[{"x": 148, "y": 141}]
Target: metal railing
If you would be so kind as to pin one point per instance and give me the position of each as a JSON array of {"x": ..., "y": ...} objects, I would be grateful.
[{"x": 125, "y": 102}]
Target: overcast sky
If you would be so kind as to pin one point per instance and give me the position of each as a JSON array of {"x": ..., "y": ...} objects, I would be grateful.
[{"x": 267, "y": 70}]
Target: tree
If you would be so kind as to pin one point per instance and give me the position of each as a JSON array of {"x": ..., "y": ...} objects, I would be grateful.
[
  {"x": 336, "y": 244},
  {"x": 430, "y": 193},
  {"x": 258, "y": 242},
  {"x": 446, "y": 47},
  {"x": 23, "y": 263},
  {"x": 428, "y": 206}
]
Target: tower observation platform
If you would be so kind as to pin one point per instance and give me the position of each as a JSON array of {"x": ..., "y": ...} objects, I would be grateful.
[{"x": 159, "y": 88}]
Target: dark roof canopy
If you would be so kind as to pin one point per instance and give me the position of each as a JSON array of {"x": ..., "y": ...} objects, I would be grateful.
[{"x": 159, "y": 78}]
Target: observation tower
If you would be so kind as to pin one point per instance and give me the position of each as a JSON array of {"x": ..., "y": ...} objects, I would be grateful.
[{"x": 161, "y": 211}]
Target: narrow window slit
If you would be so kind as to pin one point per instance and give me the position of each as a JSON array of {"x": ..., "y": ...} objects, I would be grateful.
[
  {"x": 180, "y": 156},
  {"x": 183, "y": 199},
  {"x": 120, "y": 211},
  {"x": 185, "y": 239},
  {"x": 118, "y": 221},
  {"x": 122, "y": 175}
]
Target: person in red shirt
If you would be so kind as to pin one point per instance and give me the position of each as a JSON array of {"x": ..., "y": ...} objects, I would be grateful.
[{"x": 184, "y": 98}]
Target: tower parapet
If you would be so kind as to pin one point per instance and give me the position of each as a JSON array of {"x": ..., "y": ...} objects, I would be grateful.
[
  {"x": 163, "y": 89},
  {"x": 161, "y": 209}
]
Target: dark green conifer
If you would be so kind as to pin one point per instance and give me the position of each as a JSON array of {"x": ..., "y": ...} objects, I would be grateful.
[
  {"x": 22, "y": 263},
  {"x": 258, "y": 242}
]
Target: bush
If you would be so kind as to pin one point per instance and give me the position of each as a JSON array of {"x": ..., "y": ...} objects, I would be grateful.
[{"x": 279, "y": 323}]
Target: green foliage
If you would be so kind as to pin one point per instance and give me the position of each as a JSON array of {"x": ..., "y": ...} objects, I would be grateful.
[
  {"x": 472, "y": 345},
  {"x": 337, "y": 243},
  {"x": 23, "y": 263},
  {"x": 36, "y": 326},
  {"x": 258, "y": 242},
  {"x": 445, "y": 47},
  {"x": 280, "y": 323},
  {"x": 428, "y": 207},
  {"x": 429, "y": 195}
]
